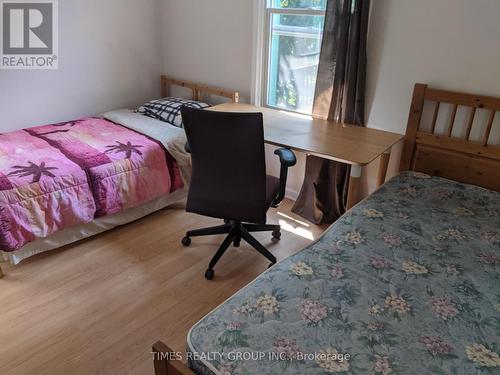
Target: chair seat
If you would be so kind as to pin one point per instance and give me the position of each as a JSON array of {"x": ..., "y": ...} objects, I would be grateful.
[
  {"x": 272, "y": 189},
  {"x": 229, "y": 179}
]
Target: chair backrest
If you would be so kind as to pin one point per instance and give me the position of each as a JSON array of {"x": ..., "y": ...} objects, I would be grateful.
[{"x": 229, "y": 168}]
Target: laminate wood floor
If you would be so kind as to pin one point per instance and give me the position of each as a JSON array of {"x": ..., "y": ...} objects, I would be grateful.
[{"x": 96, "y": 307}]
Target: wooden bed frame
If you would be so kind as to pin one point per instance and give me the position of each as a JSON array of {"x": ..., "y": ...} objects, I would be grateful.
[
  {"x": 165, "y": 366},
  {"x": 197, "y": 89},
  {"x": 459, "y": 159}
]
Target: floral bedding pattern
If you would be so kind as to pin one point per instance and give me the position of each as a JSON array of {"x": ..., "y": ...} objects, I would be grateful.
[{"x": 405, "y": 283}]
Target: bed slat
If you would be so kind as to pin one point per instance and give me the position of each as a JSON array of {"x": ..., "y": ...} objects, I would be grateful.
[
  {"x": 452, "y": 120},
  {"x": 455, "y": 158},
  {"x": 487, "y": 132},
  {"x": 197, "y": 89},
  {"x": 435, "y": 116},
  {"x": 470, "y": 122}
]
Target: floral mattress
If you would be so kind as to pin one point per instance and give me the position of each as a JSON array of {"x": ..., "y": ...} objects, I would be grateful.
[{"x": 407, "y": 282}]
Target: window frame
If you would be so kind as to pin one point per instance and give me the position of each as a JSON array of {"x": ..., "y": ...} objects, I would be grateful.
[{"x": 263, "y": 15}]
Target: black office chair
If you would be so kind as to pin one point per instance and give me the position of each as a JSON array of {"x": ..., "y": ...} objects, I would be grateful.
[{"x": 229, "y": 178}]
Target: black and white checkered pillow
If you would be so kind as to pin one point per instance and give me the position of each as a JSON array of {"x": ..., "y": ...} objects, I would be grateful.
[{"x": 169, "y": 109}]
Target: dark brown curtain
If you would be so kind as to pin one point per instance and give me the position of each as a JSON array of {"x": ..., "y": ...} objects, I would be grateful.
[{"x": 339, "y": 97}]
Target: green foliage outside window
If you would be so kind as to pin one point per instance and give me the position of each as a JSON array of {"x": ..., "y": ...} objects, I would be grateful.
[
  {"x": 321, "y": 4},
  {"x": 297, "y": 47}
]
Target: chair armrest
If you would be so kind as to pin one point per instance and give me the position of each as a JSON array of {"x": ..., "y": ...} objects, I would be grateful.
[
  {"x": 287, "y": 157},
  {"x": 287, "y": 160}
]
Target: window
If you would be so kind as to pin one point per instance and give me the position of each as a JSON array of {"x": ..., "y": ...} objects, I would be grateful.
[{"x": 293, "y": 34}]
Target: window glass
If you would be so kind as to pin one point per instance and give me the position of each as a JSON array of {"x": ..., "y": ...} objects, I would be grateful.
[
  {"x": 294, "y": 48},
  {"x": 312, "y": 4}
]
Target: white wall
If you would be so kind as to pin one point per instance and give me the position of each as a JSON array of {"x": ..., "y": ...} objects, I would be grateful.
[
  {"x": 113, "y": 51},
  {"x": 209, "y": 42},
  {"x": 450, "y": 44},
  {"x": 110, "y": 57},
  {"x": 453, "y": 44}
]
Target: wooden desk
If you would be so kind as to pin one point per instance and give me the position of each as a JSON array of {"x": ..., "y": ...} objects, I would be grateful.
[{"x": 354, "y": 145}]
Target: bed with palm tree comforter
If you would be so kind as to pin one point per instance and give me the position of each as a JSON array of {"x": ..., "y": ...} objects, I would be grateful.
[
  {"x": 407, "y": 282},
  {"x": 56, "y": 176}
]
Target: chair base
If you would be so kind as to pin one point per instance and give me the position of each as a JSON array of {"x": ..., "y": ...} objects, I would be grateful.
[{"x": 236, "y": 231}]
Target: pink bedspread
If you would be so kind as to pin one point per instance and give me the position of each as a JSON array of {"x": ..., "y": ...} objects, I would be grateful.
[{"x": 56, "y": 176}]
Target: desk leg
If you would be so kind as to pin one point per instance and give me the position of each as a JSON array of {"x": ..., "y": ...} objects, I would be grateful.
[
  {"x": 353, "y": 192},
  {"x": 382, "y": 169}
]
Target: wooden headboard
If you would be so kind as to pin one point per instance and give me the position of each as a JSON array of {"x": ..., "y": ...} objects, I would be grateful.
[
  {"x": 197, "y": 89},
  {"x": 451, "y": 152}
]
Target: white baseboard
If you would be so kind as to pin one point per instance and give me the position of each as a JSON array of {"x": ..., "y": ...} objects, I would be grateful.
[{"x": 291, "y": 194}]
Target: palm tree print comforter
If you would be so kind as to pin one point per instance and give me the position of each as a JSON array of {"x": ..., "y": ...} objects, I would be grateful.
[
  {"x": 56, "y": 176},
  {"x": 405, "y": 283}
]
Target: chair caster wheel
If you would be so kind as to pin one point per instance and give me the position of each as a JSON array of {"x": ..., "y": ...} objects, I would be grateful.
[
  {"x": 186, "y": 241},
  {"x": 276, "y": 235},
  {"x": 236, "y": 243},
  {"x": 209, "y": 274}
]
